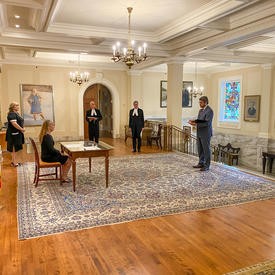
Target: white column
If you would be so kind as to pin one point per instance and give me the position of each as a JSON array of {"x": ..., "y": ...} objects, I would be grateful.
[
  {"x": 265, "y": 108},
  {"x": 174, "y": 93}
]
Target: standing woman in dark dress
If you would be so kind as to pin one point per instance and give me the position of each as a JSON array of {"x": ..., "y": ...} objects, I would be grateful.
[
  {"x": 15, "y": 132},
  {"x": 49, "y": 153}
]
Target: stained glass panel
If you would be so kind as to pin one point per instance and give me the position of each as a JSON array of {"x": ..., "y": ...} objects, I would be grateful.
[{"x": 232, "y": 101}]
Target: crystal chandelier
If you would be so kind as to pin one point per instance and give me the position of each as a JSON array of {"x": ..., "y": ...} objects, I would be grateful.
[
  {"x": 196, "y": 90},
  {"x": 129, "y": 56},
  {"x": 77, "y": 77}
]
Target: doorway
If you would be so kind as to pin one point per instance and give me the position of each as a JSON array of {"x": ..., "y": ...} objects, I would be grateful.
[{"x": 103, "y": 101}]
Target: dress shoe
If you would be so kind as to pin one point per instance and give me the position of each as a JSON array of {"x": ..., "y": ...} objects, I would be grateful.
[
  {"x": 198, "y": 166},
  {"x": 204, "y": 169}
]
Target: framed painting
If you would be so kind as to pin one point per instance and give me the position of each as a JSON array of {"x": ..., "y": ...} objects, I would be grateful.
[
  {"x": 252, "y": 107},
  {"x": 186, "y": 96},
  {"x": 36, "y": 103}
]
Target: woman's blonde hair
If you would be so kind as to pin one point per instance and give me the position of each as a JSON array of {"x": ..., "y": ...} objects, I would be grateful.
[
  {"x": 44, "y": 129},
  {"x": 12, "y": 105}
]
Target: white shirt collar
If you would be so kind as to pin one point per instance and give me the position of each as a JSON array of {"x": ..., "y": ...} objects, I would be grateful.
[
  {"x": 93, "y": 112},
  {"x": 135, "y": 112},
  {"x": 204, "y": 108}
]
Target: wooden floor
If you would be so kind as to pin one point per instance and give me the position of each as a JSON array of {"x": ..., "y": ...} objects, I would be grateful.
[{"x": 205, "y": 242}]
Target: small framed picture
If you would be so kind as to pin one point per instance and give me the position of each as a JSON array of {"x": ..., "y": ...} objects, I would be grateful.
[
  {"x": 186, "y": 96},
  {"x": 252, "y": 107}
]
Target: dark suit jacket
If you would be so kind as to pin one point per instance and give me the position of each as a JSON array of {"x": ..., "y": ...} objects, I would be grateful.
[
  {"x": 138, "y": 121},
  {"x": 93, "y": 123},
  {"x": 204, "y": 123}
]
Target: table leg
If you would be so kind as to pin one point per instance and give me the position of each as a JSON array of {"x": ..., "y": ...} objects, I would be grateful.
[
  {"x": 74, "y": 173},
  {"x": 264, "y": 163},
  {"x": 90, "y": 165},
  {"x": 107, "y": 168}
]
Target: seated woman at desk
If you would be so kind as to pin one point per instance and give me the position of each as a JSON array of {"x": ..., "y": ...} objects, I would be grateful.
[{"x": 49, "y": 153}]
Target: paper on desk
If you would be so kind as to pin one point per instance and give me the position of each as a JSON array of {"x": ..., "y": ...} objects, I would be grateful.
[
  {"x": 91, "y": 148},
  {"x": 73, "y": 145}
]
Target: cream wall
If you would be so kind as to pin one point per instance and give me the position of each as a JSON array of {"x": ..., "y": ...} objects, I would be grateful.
[
  {"x": 255, "y": 81},
  {"x": 66, "y": 94},
  {"x": 151, "y": 94},
  {"x": 272, "y": 103},
  {"x": 142, "y": 86}
]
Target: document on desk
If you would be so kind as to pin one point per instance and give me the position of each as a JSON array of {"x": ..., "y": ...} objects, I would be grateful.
[
  {"x": 91, "y": 148},
  {"x": 73, "y": 145}
]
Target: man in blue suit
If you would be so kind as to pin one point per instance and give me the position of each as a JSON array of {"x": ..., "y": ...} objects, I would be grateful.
[{"x": 204, "y": 134}]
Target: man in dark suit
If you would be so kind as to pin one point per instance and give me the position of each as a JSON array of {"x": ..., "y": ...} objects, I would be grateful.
[
  {"x": 136, "y": 123},
  {"x": 204, "y": 134},
  {"x": 93, "y": 116}
]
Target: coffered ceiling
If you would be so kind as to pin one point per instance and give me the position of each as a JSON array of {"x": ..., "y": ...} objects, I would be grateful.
[
  {"x": 215, "y": 32},
  {"x": 147, "y": 16}
]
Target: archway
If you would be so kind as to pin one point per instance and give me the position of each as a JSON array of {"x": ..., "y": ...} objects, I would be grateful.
[
  {"x": 115, "y": 100},
  {"x": 103, "y": 100}
]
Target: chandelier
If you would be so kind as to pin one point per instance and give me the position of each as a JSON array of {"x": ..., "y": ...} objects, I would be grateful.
[
  {"x": 77, "y": 76},
  {"x": 129, "y": 56},
  {"x": 196, "y": 90}
]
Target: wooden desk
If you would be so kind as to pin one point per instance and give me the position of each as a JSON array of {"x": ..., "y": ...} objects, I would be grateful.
[
  {"x": 76, "y": 149},
  {"x": 270, "y": 156},
  {"x": 3, "y": 142}
]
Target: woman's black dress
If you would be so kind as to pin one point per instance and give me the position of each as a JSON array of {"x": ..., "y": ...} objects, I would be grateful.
[
  {"x": 49, "y": 153},
  {"x": 14, "y": 137}
]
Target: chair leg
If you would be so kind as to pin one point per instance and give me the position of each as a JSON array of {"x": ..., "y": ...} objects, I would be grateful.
[
  {"x": 157, "y": 142},
  {"x": 37, "y": 177},
  {"x": 35, "y": 174},
  {"x": 160, "y": 144},
  {"x": 56, "y": 175},
  {"x": 60, "y": 174}
]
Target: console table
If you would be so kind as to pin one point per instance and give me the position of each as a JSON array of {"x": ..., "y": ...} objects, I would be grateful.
[{"x": 270, "y": 157}]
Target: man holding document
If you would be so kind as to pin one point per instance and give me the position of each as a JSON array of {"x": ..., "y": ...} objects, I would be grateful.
[
  {"x": 93, "y": 116},
  {"x": 136, "y": 123},
  {"x": 204, "y": 133}
]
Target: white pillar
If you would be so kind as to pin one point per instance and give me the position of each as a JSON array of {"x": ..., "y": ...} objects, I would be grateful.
[
  {"x": 265, "y": 108},
  {"x": 174, "y": 93}
]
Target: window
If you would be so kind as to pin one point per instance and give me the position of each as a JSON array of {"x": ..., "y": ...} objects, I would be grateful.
[{"x": 230, "y": 101}]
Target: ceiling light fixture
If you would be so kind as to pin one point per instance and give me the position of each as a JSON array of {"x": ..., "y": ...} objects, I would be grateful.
[
  {"x": 17, "y": 16},
  {"x": 196, "y": 89},
  {"x": 17, "y": 26},
  {"x": 129, "y": 56},
  {"x": 77, "y": 77}
]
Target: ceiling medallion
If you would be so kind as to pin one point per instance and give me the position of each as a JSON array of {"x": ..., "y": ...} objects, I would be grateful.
[{"x": 128, "y": 55}]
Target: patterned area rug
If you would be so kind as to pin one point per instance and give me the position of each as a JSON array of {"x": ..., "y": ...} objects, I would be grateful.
[
  {"x": 266, "y": 268},
  {"x": 140, "y": 187}
]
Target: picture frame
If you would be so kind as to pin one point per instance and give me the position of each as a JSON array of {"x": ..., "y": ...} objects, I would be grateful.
[
  {"x": 252, "y": 108},
  {"x": 187, "y": 99},
  {"x": 37, "y": 103}
]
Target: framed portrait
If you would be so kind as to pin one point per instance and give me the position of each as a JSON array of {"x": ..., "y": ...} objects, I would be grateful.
[
  {"x": 36, "y": 103},
  {"x": 186, "y": 96},
  {"x": 252, "y": 107}
]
